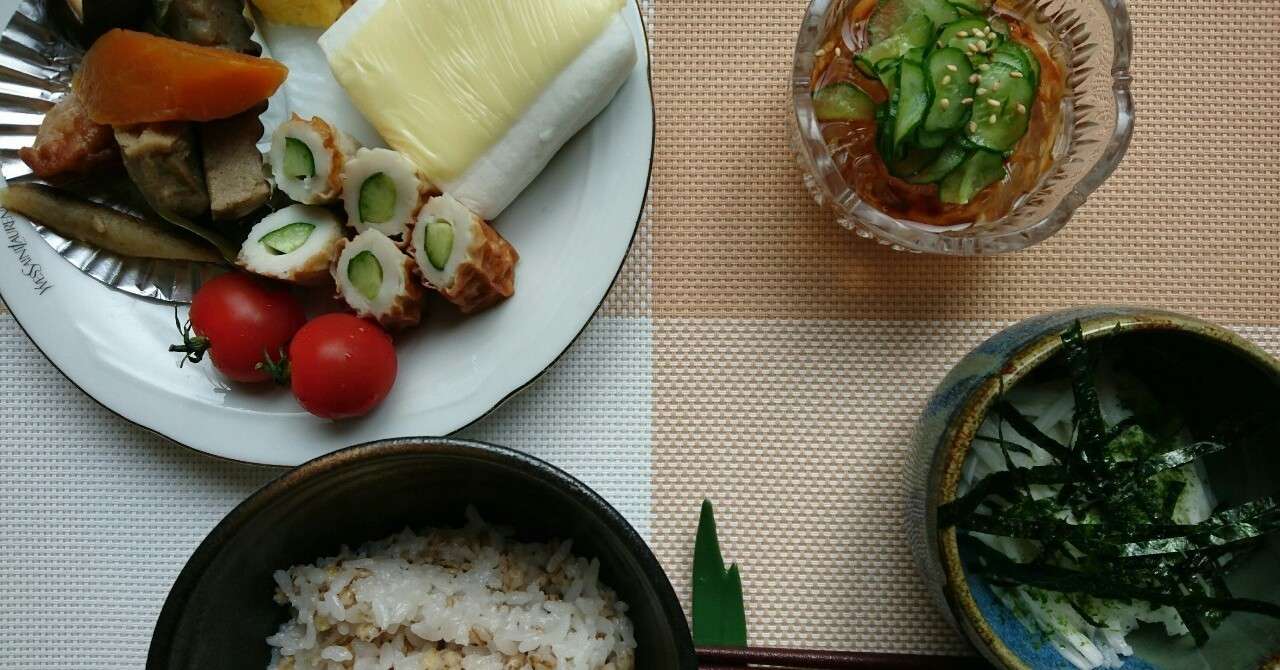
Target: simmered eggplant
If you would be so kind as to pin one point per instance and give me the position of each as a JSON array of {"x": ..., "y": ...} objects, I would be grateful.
[
  {"x": 85, "y": 20},
  {"x": 210, "y": 23}
]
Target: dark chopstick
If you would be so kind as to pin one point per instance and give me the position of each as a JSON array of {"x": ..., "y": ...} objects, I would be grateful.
[{"x": 729, "y": 658}]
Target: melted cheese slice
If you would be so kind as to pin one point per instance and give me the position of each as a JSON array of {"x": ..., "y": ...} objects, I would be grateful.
[{"x": 443, "y": 80}]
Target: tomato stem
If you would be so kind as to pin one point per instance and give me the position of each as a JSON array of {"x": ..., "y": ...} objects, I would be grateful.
[
  {"x": 278, "y": 369},
  {"x": 194, "y": 346}
]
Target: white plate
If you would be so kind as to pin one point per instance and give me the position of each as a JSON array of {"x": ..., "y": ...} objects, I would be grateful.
[{"x": 572, "y": 227}]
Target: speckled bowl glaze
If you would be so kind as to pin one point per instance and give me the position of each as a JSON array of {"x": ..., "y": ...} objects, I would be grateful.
[
  {"x": 220, "y": 610},
  {"x": 956, "y": 410}
]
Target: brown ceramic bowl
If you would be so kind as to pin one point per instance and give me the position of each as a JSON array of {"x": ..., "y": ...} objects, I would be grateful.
[
  {"x": 1216, "y": 371},
  {"x": 220, "y": 610}
]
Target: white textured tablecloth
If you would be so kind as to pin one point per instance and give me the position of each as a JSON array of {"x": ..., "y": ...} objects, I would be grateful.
[{"x": 98, "y": 516}]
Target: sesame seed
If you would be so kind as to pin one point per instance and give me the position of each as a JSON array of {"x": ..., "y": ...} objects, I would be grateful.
[
  {"x": 819, "y": 52},
  {"x": 973, "y": 79},
  {"x": 995, "y": 86},
  {"x": 1015, "y": 74},
  {"x": 973, "y": 127},
  {"x": 984, "y": 67},
  {"x": 837, "y": 52},
  {"x": 1022, "y": 109},
  {"x": 981, "y": 91},
  {"x": 946, "y": 80},
  {"x": 993, "y": 103},
  {"x": 945, "y": 103},
  {"x": 991, "y": 119},
  {"x": 982, "y": 45},
  {"x": 940, "y": 44},
  {"x": 952, "y": 68},
  {"x": 973, "y": 48},
  {"x": 967, "y": 101},
  {"x": 962, "y": 33}
]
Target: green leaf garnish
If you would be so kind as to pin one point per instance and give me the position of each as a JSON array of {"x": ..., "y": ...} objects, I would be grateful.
[{"x": 719, "y": 617}]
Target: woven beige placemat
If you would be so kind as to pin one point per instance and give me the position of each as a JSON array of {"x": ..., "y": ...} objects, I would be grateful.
[{"x": 791, "y": 357}]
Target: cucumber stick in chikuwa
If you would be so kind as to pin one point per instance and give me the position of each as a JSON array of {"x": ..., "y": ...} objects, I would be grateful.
[{"x": 959, "y": 89}]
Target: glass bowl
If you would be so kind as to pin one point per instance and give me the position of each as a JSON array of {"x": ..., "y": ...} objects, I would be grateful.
[{"x": 1095, "y": 41}]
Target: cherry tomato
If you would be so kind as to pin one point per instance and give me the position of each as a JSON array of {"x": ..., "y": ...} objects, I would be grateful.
[
  {"x": 341, "y": 366},
  {"x": 241, "y": 321}
]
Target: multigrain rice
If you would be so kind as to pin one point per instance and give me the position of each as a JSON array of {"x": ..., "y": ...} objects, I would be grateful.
[{"x": 466, "y": 599}]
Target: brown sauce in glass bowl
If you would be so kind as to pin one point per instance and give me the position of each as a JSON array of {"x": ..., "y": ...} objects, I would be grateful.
[{"x": 853, "y": 144}]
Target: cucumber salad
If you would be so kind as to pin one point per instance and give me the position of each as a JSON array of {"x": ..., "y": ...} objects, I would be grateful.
[{"x": 952, "y": 89}]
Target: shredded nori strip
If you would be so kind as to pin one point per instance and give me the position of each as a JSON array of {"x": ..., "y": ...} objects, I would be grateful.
[
  {"x": 998, "y": 484},
  {"x": 1011, "y": 446},
  {"x": 1109, "y": 531},
  {"x": 1092, "y": 434},
  {"x": 1004, "y": 571},
  {"x": 1023, "y": 426}
]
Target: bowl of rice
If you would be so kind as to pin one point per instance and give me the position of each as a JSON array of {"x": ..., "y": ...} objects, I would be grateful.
[
  {"x": 423, "y": 554},
  {"x": 1100, "y": 488}
]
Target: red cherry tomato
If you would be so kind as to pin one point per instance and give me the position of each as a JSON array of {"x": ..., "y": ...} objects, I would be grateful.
[
  {"x": 241, "y": 321},
  {"x": 341, "y": 366}
]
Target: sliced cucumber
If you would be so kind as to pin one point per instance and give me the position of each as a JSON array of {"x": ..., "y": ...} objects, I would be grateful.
[
  {"x": 913, "y": 100},
  {"x": 938, "y": 11},
  {"x": 887, "y": 18},
  {"x": 914, "y": 34},
  {"x": 298, "y": 161},
  {"x": 889, "y": 71},
  {"x": 365, "y": 273},
  {"x": 911, "y": 162},
  {"x": 843, "y": 101},
  {"x": 980, "y": 170},
  {"x": 949, "y": 159},
  {"x": 932, "y": 140},
  {"x": 890, "y": 15},
  {"x": 1017, "y": 56},
  {"x": 439, "y": 243},
  {"x": 377, "y": 198},
  {"x": 1000, "y": 26},
  {"x": 973, "y": 37},
  {"x": 1001, "y": 108},
  {"x": 884, "y": 132},
  {"x": 948, "y": 71},
  {"x": 288, "y": 238}
]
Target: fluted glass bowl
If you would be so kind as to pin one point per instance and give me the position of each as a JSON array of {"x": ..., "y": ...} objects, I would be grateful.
[{"x": 1095, "y": 39}]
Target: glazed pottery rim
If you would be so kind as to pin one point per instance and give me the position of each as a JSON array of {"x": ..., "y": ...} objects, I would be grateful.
[
  {"x": 1117, "y": 321},
  {"x": 834, "y": 193},
  {"x": 178, "y": 598}
]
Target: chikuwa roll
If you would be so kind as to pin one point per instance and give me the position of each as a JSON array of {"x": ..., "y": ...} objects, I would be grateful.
[
  {"x": 382, "y": 189},
  {"x": 461, "y": 256},
  {"x": 307, "y": 158},
  {"x": 376, "y": 279},
  {"x": 296, "y": 244}
]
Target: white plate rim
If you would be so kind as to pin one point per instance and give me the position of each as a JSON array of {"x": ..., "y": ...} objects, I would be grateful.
[{"x": 640, "y": 214}]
